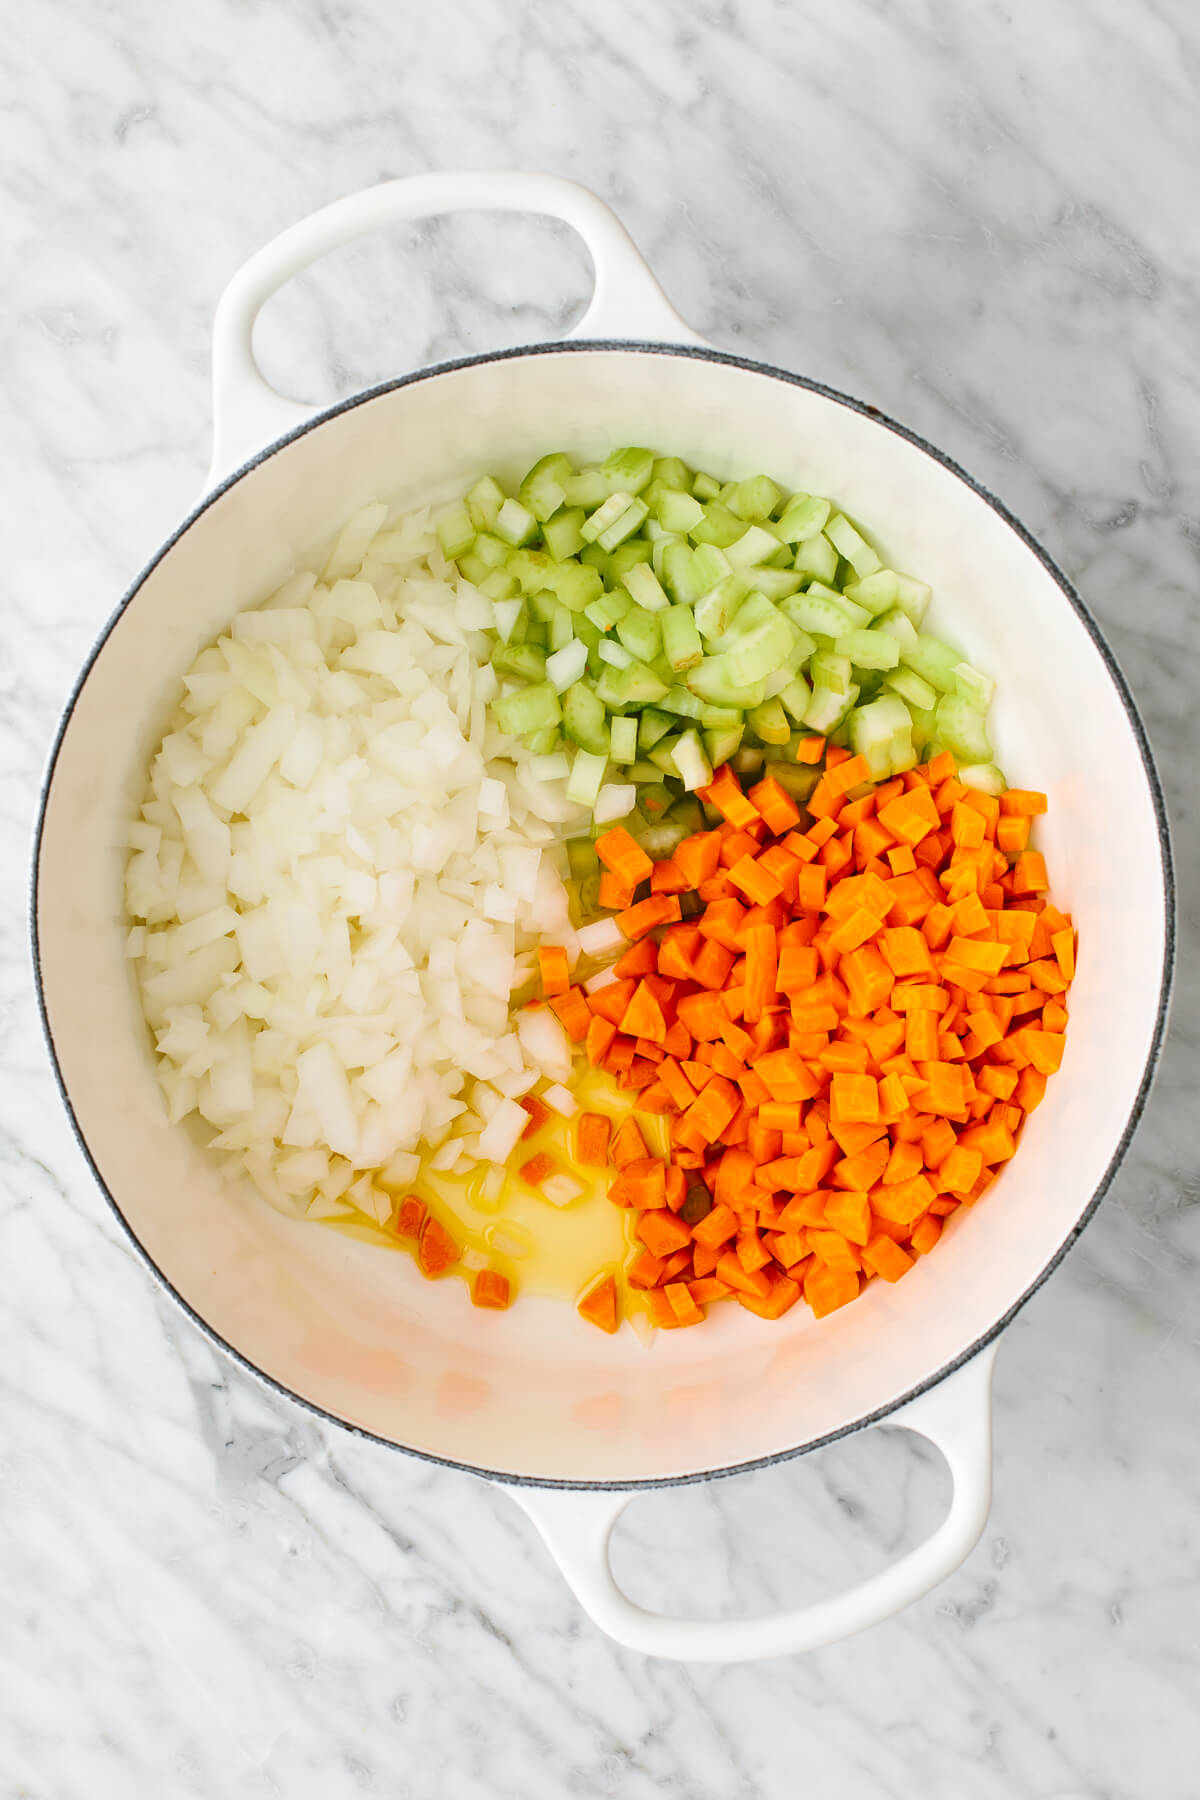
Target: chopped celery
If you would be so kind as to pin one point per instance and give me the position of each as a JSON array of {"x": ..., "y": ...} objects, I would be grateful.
[
  {"x": 711, "y": 566},
  {"x": 718, "y": 527},
  {"x": 563, "y": 534},
  {"x": 669, "y": 472},
  {"x": 582, "y": 860},
  {"x": 507, "y": 613},
  {"x": 827, "y": 708},
  {"x": 936, "y": 663},
  {"x": 644, "y": 585},
  {"x": 631, "y": 469},
  {"x": 777, "y": 584},
  {"x": 711, "y": 679},
  {"x": 584, "y": 718},
  {"x": 638, "y": 685},
  {"x": 530, "y": 710},
  {"x": 913, "y": 597},
  {"x": 587, "y": 489},
  {"x": 633, "y": 553},
  {"x": 643, "y": 772},
  {"x": 882, "y": 732},
  {"x": 716, "y": 610},
  {"x": 796, "y": 698},
  {"x": 484, "y": 502},
  {"x": 754, "y": 546},
  {"x": 532, "y": 568},
  {"x": 652, "y": 725},
  {"x": 566, "y": 666},
  {"x": 473, "y": 568},
  {"x": 769, "y": 722},
  {"x": 456, "y": 533},
  {"x": 693, "y": 765},
  {"x": 852, "y": 545},
  {"x": 526, "y": 661},
  {"x": 897, "y": 624},
  {"x": 869, "y": 649},
  {"x": 831, "y": 669},
  {"x": 973, "y": 686},
  {"x": 608, "y": 513},
  {"x": 877, "y": 592},
  {"x": 663, "y": 757},
  {"x": 561, "y": 627},
  {"x": 796, "y": 779},
  {"x": 624, "y": 735},
  {"x": 803, "y": 517},
  {"x": 492, "y": 549},
  {"x": 721, "y": 742},
  {"x": 678, "y": 512},
  {"x": 705, "y": 487},
  {"x": 543, "y": 606},
  {"x": 542, "y": 490},
  {"x": 963, "y": 729},
  {"x": 680, "y": 639},
  {"x": 827, "y": 615},
  {"x": 984, "y": 776},
  {"x": 755, "y": 498},
  {"x": 498, "y": 584},
  {"x": 679, "y": 576},
  {"x": 587, "y": 776},
  {"x": 753, "y": 657},
  {"x": 516, "y": 524},
  {"x": 911, "y": 688},
  {"x": 542, "y": 742},
  {"x": 641, "y": 633},
  {"x": 624, "y": 526},
  {"x": 817, "y": 556},
  {"x": 655, "y": 799},
  {"x": 608, "y": 610},
  {"x": 616, "y": 655}
]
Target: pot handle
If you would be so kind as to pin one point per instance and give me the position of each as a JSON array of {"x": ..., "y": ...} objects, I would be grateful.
[
  {"x": 626, "y": 299},
  {"x": 577, "y": 1525}
]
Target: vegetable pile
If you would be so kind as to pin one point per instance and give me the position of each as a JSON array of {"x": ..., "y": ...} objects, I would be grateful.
[{"x": 846, "y": 1037}]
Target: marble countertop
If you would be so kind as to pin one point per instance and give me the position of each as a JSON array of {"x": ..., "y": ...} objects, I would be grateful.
[{"x": 980, "y": 218}]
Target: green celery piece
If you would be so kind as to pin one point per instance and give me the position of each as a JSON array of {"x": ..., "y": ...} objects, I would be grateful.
[
  {"x": 796, "y": 779},
  {"x": 630, "y": 469},
  {"x": 542, "y": 742},
  {"x": 638, "y": 685},
  {"x": 641, "y": 633},
  {"x": 684, "y": 703},
  {"x": 712, "y": 681},
  {"x": 936, "y": 662},
  {"x": 828, "y": 708},
  {"x": 691, "y": 760},
  {"x": 633, "y": 553},
  {"x": 526, "y": 661},
  {"x": 643, "y": 772},
  {"x": 644, "y": 585},
  {"x": 573, "y": 584},
  {"x": 822, "y": 614},
  {"x": 830, "y": 670},
  {"x": 705, "y": 487},
  {"x": 472, "y": 568},
  {"x": 586, "y": 778},
  {"x": 605, "y": 612},
  {"x": 913, "y": 597},
  {"x": 851, "y": 544},
  {"x": 655, "y": 798},
  {"x": 669, "y": 472},
  {"x": 498, "y": 584},
  {"x": 678, "y": 574},
  {"x": 721, "y": 743},
  {"x": 663, "y": 756},
  {"x": 516, "y": 524},
  {"x": 456, "y": 533},
  {"x": 858, "y": 615},
  {"x": 710, "y": 566},
  {"x": 755, "y": 498},
  {"x": 530, "y": 710},
  {"x": 716, "y": 611},
  {"x": 924, "y": 723},
  {"x": 963, "y": 729},
  {"x": 588, "y": 489},
  {"x": 629, "y": 521},
  {"x": 776, "y": 584},
  {"x": 678, "y": 512},
  {"x": 536, "y": 633},
  {"x": 484, "y": 502},
  {"x": 542, "y": 491},
  {"x": 803, "y": 517},
  {"x": 753, "y": 657},
  {"x": 543, "y": 605},
  {"x": 593, "y": 557},
  {"x": 531, "y": 568},
  {"x": 755, "y": 610},
  {"x": 796, "y": 698},
  {"x": 878, "y": 731},
  {"x": 869, "y": 649},
  {"x": 598, "y": 522},
  {"x": 755, "y": 545},
  {"x": 719, "y": 526},
  {"x": 986, "y": 777},
  {"x": 582, "y": 860},
  {"x": 974, "y": 686},
  {"x": 680, "y": 639},
  {"x": 562, "y": 628},
  {"x": 492, "y": 550},
  {"x": 769, "y": 723},
  {"x": 512, "y": 620},
  {"x": 878, "y": 593},
  {"x": 817, "y": 556},
  {"x": 584, "y": 718},
  {"x": 897, "y": 624},
  {"x": 911, "y": 688},
  {"x": 652, "y": 725},
  {"x": 563, "y": 533},
  {"x": 624, "y": 739}
]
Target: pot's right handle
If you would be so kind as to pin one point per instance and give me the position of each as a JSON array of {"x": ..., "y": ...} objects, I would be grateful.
[
  {"x": 577, "y": 1526},
  {"x": 627, "y": 301}
]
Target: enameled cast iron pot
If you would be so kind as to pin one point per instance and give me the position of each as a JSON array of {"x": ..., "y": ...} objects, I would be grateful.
[{"x": 572, "y": 1419}]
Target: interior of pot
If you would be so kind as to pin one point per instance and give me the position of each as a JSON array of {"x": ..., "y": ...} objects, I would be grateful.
[{"x": 533, "y": 1392}]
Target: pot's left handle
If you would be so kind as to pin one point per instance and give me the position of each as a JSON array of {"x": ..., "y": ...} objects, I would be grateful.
[{"x": 627, "y": 301}]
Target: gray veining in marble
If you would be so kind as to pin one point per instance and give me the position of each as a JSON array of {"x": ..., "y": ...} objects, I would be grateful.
[{"x": 980, "y": 217}]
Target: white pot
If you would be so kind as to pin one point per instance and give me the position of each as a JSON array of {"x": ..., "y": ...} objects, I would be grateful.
[{"x": 528, "y": 1397}]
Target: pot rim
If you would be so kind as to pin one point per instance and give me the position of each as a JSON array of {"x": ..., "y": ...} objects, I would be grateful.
[{"x": 700, "y": 353}]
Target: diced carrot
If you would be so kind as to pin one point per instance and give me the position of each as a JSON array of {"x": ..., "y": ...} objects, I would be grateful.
[
  {"x": 707, "y": 1288},
  {"x": 854, "y": 1097},
  {"x": 592, "y": 1134},
  {"x": 849, "y": 1214},
  {"x": 724, "y": 792},
  {"x": 743, "y": 1281},
  {"x": 663, "y": 1231},
  {"x": 659, "y": 909},
  {"x": 775, "y": 805},
  {"x": 436, "y": 1249},
  {"x": 697, "y": 857},
  {"x": 624, "y": 856},
  {"x": 410, "y": 1217},
  {"x": 640, "y": 959},
  {"x": 925, "y": 1234},
  {"x": 783, "y": 1295},
  {"x": 599, "y": 1304},
  {"x": 810, "y": 749},
  {"x": 628, "y": 1145},
  {"x": 535, "y": 1171},
  {"x": 614, "y": 894},
  {"x": 490, "y": 1289},
  {"x": 572, "y": 1011},
  {"x": 1022, "y": 803},
  {"x": 538, "y": 1112},
  {"x": 1029, "y": 873},
  {"x": 826, "y": 1289},
  {"x": 643, "y": 1017},
  {"x": 885, "y": 1257}
]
